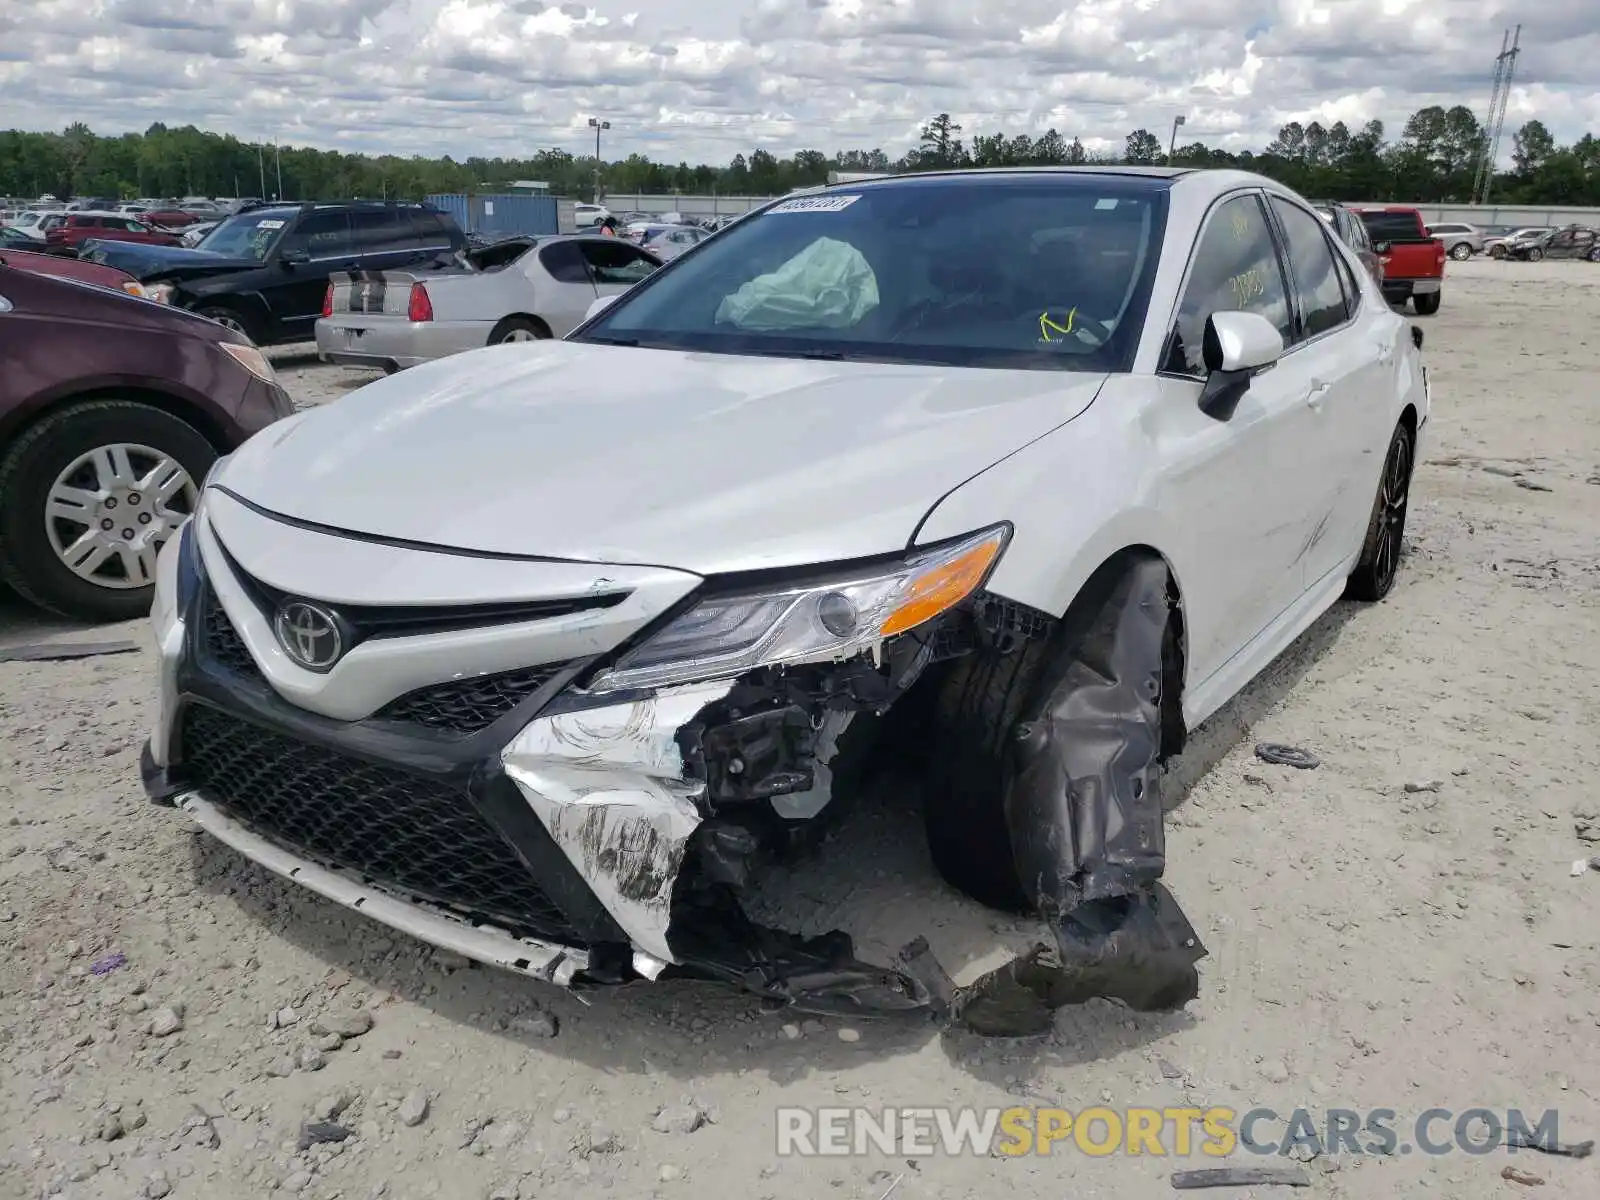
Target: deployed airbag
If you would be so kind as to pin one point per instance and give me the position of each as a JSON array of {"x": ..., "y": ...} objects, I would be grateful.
[{"x": 828, "y": 285}]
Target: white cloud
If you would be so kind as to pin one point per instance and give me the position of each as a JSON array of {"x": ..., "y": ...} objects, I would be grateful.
[{"x": 701, "y": 80}]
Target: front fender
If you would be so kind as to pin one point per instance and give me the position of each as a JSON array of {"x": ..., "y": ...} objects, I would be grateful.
[{"x": 1076, "y": 497}]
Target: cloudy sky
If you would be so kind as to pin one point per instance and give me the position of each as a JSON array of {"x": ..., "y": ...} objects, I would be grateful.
[{"x": 704, "y": 79}]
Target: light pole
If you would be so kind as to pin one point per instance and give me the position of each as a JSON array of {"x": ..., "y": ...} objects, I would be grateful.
[
  {"x": 596, "y": 124},
  {"x": 1172, "y": 143}
]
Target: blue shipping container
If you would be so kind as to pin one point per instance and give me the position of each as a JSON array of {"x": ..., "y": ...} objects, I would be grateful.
[{"x": 500, "y": 215}]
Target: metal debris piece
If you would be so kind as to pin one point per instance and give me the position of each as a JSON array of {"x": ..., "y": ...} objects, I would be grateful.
[
  {"x": 1213, "y": 1177},
  {"x": 1287, "y": 756},
  {"x": 314, "y": 1133},
  {"x": 108, "y": 964},
  {"x": 1529, "y": 485},
  {"x": 57, "y": 651},
  {"x": 1522, "y": 1177}
]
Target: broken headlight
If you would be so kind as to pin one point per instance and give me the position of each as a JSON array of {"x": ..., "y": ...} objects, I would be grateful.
[{"x": 826, "y": 618}]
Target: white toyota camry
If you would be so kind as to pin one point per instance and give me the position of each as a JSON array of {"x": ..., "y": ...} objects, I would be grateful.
[{"x": 543, "y": 651}]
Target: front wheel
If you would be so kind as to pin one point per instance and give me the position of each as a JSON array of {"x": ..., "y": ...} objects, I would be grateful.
[
  {"x": 1461, "y": 251},
  {"x": 1428, "y": 303},
  {"x": 1497, "y": 251},
  {"x": 1594, "y": 255},
  {"x": 1380, "y": 554},
  {"x": 228, "y": 318},
  {"x": 1535, "y": 255},
  {"x": 88, "y": 497}
]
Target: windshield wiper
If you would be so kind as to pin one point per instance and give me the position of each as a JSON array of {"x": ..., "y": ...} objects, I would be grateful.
[
  {"x": 610, "y": 341},
  {"x": 824, "y": 355}
]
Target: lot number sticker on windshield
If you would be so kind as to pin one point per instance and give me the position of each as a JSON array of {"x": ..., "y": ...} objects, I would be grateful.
[
  {"x": 269, "y": 225},
  {"x": 811, "y": 204}
]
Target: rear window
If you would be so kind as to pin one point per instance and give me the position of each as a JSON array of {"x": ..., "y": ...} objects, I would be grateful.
[{"x": 1392, "y": 226}]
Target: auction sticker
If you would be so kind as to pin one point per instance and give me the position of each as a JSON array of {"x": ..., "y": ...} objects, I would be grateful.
[
  {"x": 269, "y": 224},
  {"x": 810, "y": 204}
]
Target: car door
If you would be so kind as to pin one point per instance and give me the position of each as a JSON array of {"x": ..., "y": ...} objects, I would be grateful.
[
  {"x": 1344, "y": 373},
  {"x": 1584, "y": 242},
  {"x": 567, "y": 288},
  {"x": 317, "y": 245},
  {"x": 1237, "y": 490},
  {"x": 385, "y": 239}
]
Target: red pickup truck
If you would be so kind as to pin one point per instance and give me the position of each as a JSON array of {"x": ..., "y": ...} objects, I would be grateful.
[
  {"x": 65, "y": 232},
  {"x": 1413, "y": 262}
]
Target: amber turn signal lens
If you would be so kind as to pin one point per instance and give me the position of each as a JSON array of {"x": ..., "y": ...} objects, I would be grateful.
[{"x": 942, "y": 586}]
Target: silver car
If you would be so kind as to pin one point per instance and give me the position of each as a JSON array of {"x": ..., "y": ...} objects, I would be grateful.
[
  {"x": 518, "y": 291},
  {"x": 1461, "y": 241},
  {"x": 669, "y": 241}
]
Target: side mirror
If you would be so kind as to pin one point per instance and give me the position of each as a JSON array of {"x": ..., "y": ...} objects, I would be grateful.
[
  {"x": 1236, "y": 347},
  {"x": 290, "y": 258},
  {"x": 1381, "y": 247},
  {"x": 598, "y": 306}
]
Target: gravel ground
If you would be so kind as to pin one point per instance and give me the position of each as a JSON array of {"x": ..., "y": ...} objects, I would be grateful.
[{"x": 1373, "y": 944}]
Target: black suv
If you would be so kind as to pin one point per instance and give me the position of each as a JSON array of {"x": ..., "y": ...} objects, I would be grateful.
[{"x": 263, "y": 271}]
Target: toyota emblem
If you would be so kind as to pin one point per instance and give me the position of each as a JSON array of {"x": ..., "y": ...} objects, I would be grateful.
[{"x": 309, "y": 634}]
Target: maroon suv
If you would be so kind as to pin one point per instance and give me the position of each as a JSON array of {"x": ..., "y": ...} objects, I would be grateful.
[
  {"x": 112, "y": 410},
  {"x": 63, "y": 234}
]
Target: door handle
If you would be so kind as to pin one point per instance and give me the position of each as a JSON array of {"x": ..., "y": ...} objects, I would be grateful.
[{"x": 1318, "y": 393}]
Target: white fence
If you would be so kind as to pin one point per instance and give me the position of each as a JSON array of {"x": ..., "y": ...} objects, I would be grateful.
[{"x": 689, "y": 206}]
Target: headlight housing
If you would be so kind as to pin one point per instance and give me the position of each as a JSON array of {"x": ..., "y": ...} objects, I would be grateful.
[{"x": 827, "y": 618}]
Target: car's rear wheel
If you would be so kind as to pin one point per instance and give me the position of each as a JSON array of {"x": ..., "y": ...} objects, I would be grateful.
[
  {"x": 1535, "y": 254},
  {"x": 1427, "y": 304},
  {"x": 1461, "y": 251},
  {"x": 87, "y": 498},
  {"x": 1380, "y": 554},
  {"x": 518, "y": 329}
]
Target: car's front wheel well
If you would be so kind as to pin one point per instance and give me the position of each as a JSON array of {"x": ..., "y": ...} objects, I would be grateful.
[{"x": 184, "y": 410}]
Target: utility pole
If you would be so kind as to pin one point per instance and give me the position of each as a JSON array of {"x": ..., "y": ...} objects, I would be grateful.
[
  {"x": 596, "y": 124},
  {"x": 277, "y": 156},
  {"x": 261, "y": 166},
  {"x": 1505, "y": 67},
  {"x": 1172, "y": 143}
]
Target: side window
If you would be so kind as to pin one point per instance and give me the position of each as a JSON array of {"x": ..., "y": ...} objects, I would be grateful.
[
  {"x": 1235, "y": 267},
  {"x": 324, "y": 234},
  {"x": 381, "y": 231},
  {"x": 429, "y": 227},
  {"x": 614, "y": 262},
  {"x": 1322, "y": 302},
  {"x": 564, "y": 262}
]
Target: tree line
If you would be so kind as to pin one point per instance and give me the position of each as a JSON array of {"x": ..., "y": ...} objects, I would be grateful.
[{"x": 1434, "y": 160}]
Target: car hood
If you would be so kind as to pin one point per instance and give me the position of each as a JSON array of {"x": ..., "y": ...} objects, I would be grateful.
[
  {"x": 709, "y": 463},
  {"x": 146, "y": 259}
]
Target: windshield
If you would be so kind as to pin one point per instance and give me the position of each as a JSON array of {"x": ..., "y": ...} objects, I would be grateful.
[
  {"x": 1033, "y": 271},
  {"x": 247, "y": 235}
]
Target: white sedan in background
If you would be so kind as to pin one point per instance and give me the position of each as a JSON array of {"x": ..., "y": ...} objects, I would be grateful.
[
  {"x": 542, "y": 652},
  {"x": 517, "y": 291}
]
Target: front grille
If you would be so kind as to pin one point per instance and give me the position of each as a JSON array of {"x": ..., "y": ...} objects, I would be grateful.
[
  {"x": 469, "y": 705},
  {"x": 461, "y": 707},
  {"x": 398, "y": 829},
  {"x": 222, "y": 640}
]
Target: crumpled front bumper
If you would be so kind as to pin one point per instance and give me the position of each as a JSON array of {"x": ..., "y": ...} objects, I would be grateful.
[{"x": 597, "y": 803}]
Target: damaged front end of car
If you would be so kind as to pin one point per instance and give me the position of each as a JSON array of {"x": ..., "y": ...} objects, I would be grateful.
[{"x": 724, "y": 740}]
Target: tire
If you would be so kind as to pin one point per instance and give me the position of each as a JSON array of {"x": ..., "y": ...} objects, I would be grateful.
[
  {"x": 232, "y": 318},
  {"x": 1461, "y": 251},
  {"x": 29, "y": 559},
  {"x": 518, "y": 329},
  {"x": 1427, "y": 304},
  {"x": 1594, "y": 255},
  {"x": 980, "y": 704},
  {"x": 1379, "y": 563},
  {"x": 1535, "y": 254},
  {"x": 1497, "y": 251}
]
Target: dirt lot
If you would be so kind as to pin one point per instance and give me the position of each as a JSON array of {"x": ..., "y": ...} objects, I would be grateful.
[{"x": 1373, "y": 944}]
